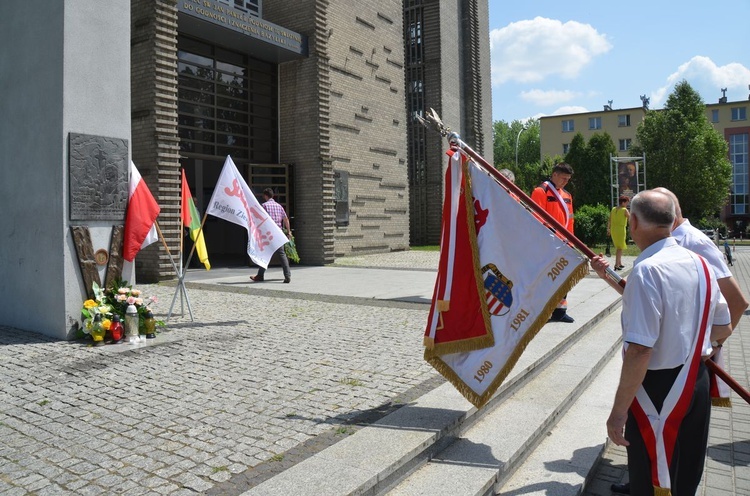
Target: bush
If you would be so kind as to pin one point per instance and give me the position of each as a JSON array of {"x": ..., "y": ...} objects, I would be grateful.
[{"x": 591, "y": 224}]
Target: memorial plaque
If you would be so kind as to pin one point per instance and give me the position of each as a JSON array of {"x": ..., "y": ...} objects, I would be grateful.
[{"x": 98, "y": 173}]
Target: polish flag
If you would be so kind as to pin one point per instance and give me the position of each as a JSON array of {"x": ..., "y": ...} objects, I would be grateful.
[{"x": 140, "y": 221}]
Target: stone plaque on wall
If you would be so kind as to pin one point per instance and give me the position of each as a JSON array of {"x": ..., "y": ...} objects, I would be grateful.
[{"x": 98, "y": 173}]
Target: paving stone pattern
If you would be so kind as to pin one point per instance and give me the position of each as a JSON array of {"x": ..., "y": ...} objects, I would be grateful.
[
  {"x": 252, "y": 380},
  {"x": 727, "y": 470}
]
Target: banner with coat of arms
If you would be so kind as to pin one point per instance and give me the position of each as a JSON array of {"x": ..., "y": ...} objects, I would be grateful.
[{"x": 501, "y": 274}]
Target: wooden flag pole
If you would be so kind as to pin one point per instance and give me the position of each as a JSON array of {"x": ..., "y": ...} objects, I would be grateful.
[{"x": 724, "y": 376}]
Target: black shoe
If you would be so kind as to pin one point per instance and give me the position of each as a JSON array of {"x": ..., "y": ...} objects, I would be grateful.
[
  {"x": 619, "y": 267},
  {"x": 561, "y": 315},
  {"x": 257, "y": 278},
  {"x": 621, "y": 488},
  {"x": 287, "y": 280}
]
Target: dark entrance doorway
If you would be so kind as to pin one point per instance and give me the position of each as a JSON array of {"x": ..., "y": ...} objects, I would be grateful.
[{"x": 227, "y": 105}]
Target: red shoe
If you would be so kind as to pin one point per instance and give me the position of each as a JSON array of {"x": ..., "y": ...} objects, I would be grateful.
[{"x": 257, "y": 278}]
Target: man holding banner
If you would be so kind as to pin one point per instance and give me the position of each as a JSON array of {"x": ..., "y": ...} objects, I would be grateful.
[
  {"x": 233, "y": 201},
  {"x": 278, "y": 214}
]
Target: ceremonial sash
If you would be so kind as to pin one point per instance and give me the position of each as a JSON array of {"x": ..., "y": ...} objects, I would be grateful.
[
  {"x": 659, "y": 429},
  {"x": 561, "y": 200},
  {"x": 500, "y": 276}
]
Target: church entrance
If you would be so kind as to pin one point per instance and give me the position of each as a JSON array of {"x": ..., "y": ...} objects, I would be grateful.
[{"x": 227, "y": 105}]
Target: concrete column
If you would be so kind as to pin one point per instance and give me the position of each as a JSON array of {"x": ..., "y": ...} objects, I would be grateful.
[{"x": 65, "y": 68}]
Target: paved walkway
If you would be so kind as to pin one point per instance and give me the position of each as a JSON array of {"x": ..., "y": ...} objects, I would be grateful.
[
  {"x": 727, "y": 469},
  {"x": 266, "y": 375}
]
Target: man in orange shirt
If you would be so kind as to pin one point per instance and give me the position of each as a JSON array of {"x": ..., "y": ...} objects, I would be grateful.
[{"x": 552, "y": 197}]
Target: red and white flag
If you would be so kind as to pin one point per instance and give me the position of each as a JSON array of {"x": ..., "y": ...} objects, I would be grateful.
[
  {"x": 233, "y": 201},
  {"x": 501, "y": 274},
  {"x": 140, "y": 220}
]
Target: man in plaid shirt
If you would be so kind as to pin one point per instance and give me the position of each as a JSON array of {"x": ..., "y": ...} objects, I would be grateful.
[{"x": 277, "y": 213}]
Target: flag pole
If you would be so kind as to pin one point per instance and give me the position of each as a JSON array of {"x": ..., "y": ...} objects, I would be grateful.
[
  {"x": 180, "y": 275},
  {"x": 184, "y": 271},
  {"x": 433, "y": 120}
]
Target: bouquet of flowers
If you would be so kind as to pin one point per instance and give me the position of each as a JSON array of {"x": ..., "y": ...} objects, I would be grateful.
[{"x": 115, "y": 301}]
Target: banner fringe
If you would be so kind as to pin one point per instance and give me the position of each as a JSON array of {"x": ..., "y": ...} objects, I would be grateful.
[
  {"x": 428, "y": 342},
  {"x": 721, "y": 402},
  {"x": 480, "y": 400},
  {"x": 662, "y": 491}
]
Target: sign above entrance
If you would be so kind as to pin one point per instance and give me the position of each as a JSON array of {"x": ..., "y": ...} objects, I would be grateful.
[{"x": 225, "y": 15}]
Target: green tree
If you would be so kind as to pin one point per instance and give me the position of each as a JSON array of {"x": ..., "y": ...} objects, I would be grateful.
[
  {"x": 594, "y": 176},
  {"x": 527, "y": 171},
  {"x": 575, "y": 157},
  {"x": 685, "y": 154}
]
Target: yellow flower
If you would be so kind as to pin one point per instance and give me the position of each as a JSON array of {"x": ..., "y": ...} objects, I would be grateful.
[
  {"x": 90, "y": 304},
  {"x": 106, "y": 324}
]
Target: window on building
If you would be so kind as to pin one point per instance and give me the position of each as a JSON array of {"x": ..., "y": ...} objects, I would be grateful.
[
  {"x": 739, "y": 113},
  {"x": 567, "y": 126},
  {"x": 595, "y": 122},
  {"x": 738, "y": 156},
  {"x": 566, "y": 147},
  {"x": 623, "y": 120},
  {"x": 341, "y": 197},
  {"x": 625, "y": 144},
  {"x": 715, "y": 115}
]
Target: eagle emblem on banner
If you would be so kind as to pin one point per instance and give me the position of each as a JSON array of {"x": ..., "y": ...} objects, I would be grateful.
[{"x": 497, "y": 290}]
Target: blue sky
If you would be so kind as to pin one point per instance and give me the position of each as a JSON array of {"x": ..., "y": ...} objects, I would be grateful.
[{"x": 552, "y": 57}]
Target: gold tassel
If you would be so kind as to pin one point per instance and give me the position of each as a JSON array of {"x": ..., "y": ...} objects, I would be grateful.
[
  {"x": 428, "y": 342},
  {"x": 662, "y": 491},
  {"x": 721, "y": 402}
]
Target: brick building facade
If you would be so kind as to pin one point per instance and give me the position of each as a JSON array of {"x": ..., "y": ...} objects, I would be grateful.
[{"x": 329, "y": 127}]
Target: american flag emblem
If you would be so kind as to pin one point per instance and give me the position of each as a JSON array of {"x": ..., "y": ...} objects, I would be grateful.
[{"x": 497, "y": 290}]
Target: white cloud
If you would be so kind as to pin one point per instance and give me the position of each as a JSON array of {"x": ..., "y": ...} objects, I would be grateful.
[
  {"x": 550, "y": 97},
  {"x": 705, "y": 77},
  {"x": 570, "y": 109},
  {"x": 531, "y": 50}
]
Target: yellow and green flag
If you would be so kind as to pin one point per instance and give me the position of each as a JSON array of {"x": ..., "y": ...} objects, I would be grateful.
[{"x": 191, "y": 220}]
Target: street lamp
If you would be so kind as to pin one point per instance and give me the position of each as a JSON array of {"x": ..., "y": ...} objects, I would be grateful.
[{"x": 523, "y": 128}]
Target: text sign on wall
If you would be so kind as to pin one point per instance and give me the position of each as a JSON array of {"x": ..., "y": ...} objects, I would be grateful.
[
  {"x": 225, "y": 15},
  {"x": 98, "y": 175}
]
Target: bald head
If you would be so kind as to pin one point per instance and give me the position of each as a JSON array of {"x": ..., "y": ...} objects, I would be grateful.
[
  {"x": 654, "y": 209},
  {"x": 677, "y": 209}
]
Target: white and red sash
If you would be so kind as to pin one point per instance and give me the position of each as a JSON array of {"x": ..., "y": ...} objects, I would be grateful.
[
  {"x": 659, "y": 429},
  {"x": 560, "y": 200},
  {"x": 720, "y": 392}
]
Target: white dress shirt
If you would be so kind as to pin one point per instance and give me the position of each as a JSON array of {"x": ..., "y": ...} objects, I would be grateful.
[
  {"x": 696, "y": 241},
  {"x": 661, "y": 305}
]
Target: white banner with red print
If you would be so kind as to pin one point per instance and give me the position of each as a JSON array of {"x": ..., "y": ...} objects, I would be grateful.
[
  {"x": 501, "y": 274},
  {"x": 233, "y": 201}
]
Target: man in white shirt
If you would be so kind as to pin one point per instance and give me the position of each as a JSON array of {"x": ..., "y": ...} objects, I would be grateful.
[
  {"x": 673, "y": 315},
  {"x": 696, "y": 241}
]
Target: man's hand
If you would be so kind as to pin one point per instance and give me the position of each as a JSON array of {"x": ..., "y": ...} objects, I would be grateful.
[
  {"x": 616, "y": 428},
  {"x": 599, "y": 264}
]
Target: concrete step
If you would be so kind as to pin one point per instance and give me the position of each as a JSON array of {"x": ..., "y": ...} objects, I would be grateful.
[
  {"x": 564, "y": 460},
  {"x": 502, "y": 439},
  {"x": 377, "y": 457}
]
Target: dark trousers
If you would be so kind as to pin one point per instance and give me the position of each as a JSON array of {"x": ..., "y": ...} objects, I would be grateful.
[
  {"x": 284, "y": 265},
  {"x": 690, "y": 449}
]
